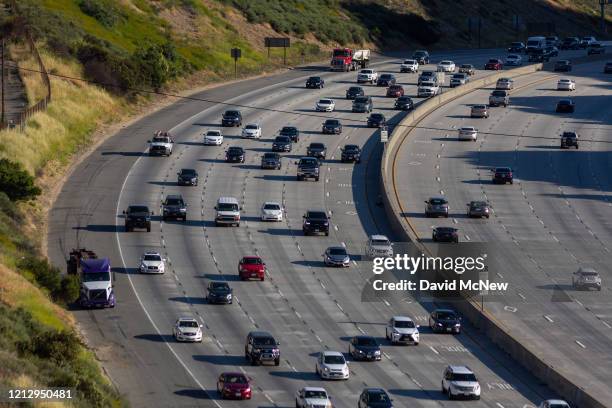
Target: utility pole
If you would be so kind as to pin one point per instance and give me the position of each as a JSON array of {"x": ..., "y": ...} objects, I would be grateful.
[
  {"x": 602, "y": 5},
  {"x": 479, "y": 30},
  {"x": 2, "y": 80}
]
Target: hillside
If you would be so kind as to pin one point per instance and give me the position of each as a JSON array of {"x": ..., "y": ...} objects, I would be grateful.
[{"x": 178, "y": 46}]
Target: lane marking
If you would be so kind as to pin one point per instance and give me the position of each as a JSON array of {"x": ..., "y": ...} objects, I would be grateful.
[{"x": 580, "y": 344}]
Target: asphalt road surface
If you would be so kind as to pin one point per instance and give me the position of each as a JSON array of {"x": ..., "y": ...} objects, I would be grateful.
[
  {"x": 552, "y": 220},
  {"x": 305, "y": 305}
]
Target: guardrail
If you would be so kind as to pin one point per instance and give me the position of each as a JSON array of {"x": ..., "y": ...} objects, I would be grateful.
[
  {"x": 487, "y": 323},
  {"x": 41, "y": 105}
]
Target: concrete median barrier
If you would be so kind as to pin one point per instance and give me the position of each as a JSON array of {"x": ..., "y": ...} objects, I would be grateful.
[{"x": 496, "y": 330}]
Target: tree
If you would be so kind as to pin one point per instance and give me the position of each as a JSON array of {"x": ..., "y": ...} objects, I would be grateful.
[{"x": 15, "y": 182}]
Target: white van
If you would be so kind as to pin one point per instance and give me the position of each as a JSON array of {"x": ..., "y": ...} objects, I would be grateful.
[
  {"x": 535, "y": 43},
  {"x": 228, "y": 211}
]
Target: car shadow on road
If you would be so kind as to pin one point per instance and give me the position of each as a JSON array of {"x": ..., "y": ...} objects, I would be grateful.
[
  {"x": 190, "y": 300},
  {"x": 280, "y": 231},
  {"x": 421, "y": 393},
  {"x": 100, "y": 228},
  {"x": 212, "y": 160},
  {"x": 128, "y": 154},
  {"x": 296, "y": 375},
  {"x": 222, "y": 359},
  {"x": 191, "y": 143},
  {"x": 227, "y": 277},
  {"x": 198, "y": 393},
  {"x": 311, "y": 264},
  {"x": 216, "y": 125},
  {"x": 275, "y": 177},
  {"x": 163, "y": 183},
  {"x": 159, "y": 338}
]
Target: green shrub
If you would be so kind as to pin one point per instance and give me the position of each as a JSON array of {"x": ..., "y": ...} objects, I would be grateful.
[
  {"x": 60, "y": 347},
  {"x": 46, "y": 275},
  {"x": 69, "y": 289},
  {"x": 102, "y": 10},
  {"x": 15, "y": 182}
]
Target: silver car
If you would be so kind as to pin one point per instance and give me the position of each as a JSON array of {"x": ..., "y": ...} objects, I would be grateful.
[
  {"x": 336, "y": 256},
  {"x": 436, "y": 206},
  {"x": 469, "y": 133},
  {"x": 505, "y": 84},
  {"x": 379, "y": 246},
  {"x": 585, "y": 278},
  {"x": 479, "y": 111}
]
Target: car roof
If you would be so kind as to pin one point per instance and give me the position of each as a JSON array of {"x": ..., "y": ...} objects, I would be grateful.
[
  {"x": 227, "y": 200},
  {"x": 186, "y": 319},
  {"x": 556, "y": 401},
  {"x": 438, "y": 198},
  {"x": 331, "y": 353},
  {"x": 315, "y": 389},
  {"x": 460, "y": 369},
  {"x": 374, "y": 389},
  {"x": 379, "y": 237},
  {"x": 315, "y": 210},
  {"x": 174, "y": 196},
  {"x": 337, "y": 247},
  {"x": 445, "y": 311},
  {"x": 446, "y": 228},
  {"x": 188, "y": 170},
  {"x": 402, "y": 319},
  {"x": 237, "y": 373},
  {"x": 251, "y": 257},
  {"x": 586, "y": 269},
  {"x": 271, "y": 202}
]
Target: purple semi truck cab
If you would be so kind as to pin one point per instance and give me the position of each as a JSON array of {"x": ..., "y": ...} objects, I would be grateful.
[{"x": 96, "y": 283}]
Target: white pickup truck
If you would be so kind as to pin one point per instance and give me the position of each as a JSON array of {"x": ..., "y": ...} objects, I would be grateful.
[
  {"x": 161, "y": 144},
  {"x": 367, "y": 75},
  {"x": 427, "y": 89}
]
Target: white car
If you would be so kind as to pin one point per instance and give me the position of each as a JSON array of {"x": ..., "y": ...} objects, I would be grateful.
[
  {"x": 367, "y": 75},
  {"x": 460, "y": 381},
  {"x": 325, "y": 105},
  {"x": 152, "y": 262},
  {"x": 514, "y": 60},
  {"x": 251, "y": 131},
  {"x": 565, "y": 84},
  {"x": 331, "y": 365},
  {"x": 446, "y": 66},
  {"x": 312, "y": 397},
  {"x": 213, "y": 137},
  {"x": 401, "y": 329},
  {"x": 428, "y": 89},
  {"x": 162, "y": 144},
  {"x": 378, "y": 246},
  {"x": 409, "y": 65},
  {"x": 271, "y": 211},
  {"x": 506, "y": 84},
  {"x": 187, "y": 329},
  {"x": 554, "y": 403},
  {"x": 468, "y": 133}
]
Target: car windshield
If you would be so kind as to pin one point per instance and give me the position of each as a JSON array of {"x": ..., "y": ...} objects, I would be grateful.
[
  {"x": 325, "y": 101},
  {"x": 565, "y": 102},
  {"x": 463, "y": 377},
  {"x": 366, "y": 71},
  {"x": 174, "y": 201},
  {"x": 288, "y": 130},
  {"x": 317, "y": 146},
  {"x": 420, "y": 53},
  {"x": 403, "y": 98},
  {"x": 227, "y": 207},
  {"x": 188, "y": 172},
  {"x": 503, "y": 170},
  {"x": 213, "y": 133},
  {"x": 404, "y": 324},
  {"x": 315, "y": 394},
  {"x": 361, "y": 99},
  {"x": 409, "y": 62},
  {"x": 386, "y": 76},
  {"x": 264, "y": 341},
  {"x": 337, "y": 251},
  {"x": 252, "y": 127},
  {"x": 138, "y": 209},
  {"x": 271, "y": 207},
  {"x": 230, "y": 114},
  {"x": 458, "y": 76},
  {"x": 447, "y": 315},
  {"x": 466, "y": 66},
  {"x": 252, "y": 261},
  {"x": 590, "y": 274},
  {"x": 316, "y": 215},
  {"x": 395, "y": 87},
  {"x": 189, "y": 323},
  {"x": 498, "y": 93},
  {"x": 427, "y": 73},
  {"x": 377, "y": 397},
  {"x": 314, "y": 79},
  {"x": 493, "y": 61},
  {"x": 96, "y": 277},
  {"x": 220, "y": 285},
  {"x": 161, "y": 139},
  {"x": 270, "y": 155},
  {"x": 354, "y": 89},
  {"x": 477, "y": 204},
  {"x": 285, "y": 139},
  {"x": 351, "y": 147},
  {"x": 377, "y": 116},
  {"x": 235, "y": 150},
  {"x": 437, "y": 201},
  {"x": 335, "y": 359},
  {"x": 236, "y": 379},
  {"x": 366, "y": 341},
  {"x": 332, "y": 122},
  {"x": 381, "y": 242},
  {"x": 152, "y": 257},
  {"x": 309, "y": 162}
]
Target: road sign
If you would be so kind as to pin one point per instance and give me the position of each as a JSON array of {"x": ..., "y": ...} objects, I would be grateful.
[
  {"x": 236, "y": 53},
  {"x": 384, "y": 135},
  {"x": 277, "y": 42}
]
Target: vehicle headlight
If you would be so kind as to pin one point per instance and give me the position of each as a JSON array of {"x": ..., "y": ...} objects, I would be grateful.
[
  {"x": 457, "y": 324},
  {"x": 229, "y": 296},
  {"x": 438, "y": 324},
  {"x": 477, "y": 387},
  {"x": 256, "y": 350},
  {"x": 183, "y": 209},
  {"x": 326, "y": 369},
  {"x": 360, "y": 351},
  {"x": 377, "y": 352}
]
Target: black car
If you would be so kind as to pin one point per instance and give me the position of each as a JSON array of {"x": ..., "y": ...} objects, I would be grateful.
[
  {"x": 422, "y": 57},
  {"x": 503, "y": 175},
  {"x": 282, "y": 144},
  {"x": 308, "y": 167},
  {"x": 386, "y": 80},
  {"x": 377, "y": 120},
  {"x": 317, "y": 150},
  {"x": 364, "y": 348},
  {"x": 219, "y": 292},
  {"x": 351, "y": 153},
  {"x": 517, "y": 47},
  {"x": 563, "y": 66},
  {"x": 363, "y": 104},
  {"x": 174, "y": 207},
  {"x": 445, "y": 321},
  {"x": 374, "y": 398},
  {"x": 187, "y": 177},
  {"x": 315, "y": 82},
  {"x": 552, "y": 51},
  {"x": 137, "y": 216},
  {"x": 565, "y": 105},
  {"x": 235, "y": 154},
  {"x": 261, "y": 347},
  {"x": 608, "y": 68},
  {"x": 445, "y": 234},
  {"x": 570, "y": 43},
  {"x": 231, "y": 118},
  {"x": 569, "y": 139},
  {"x": 404, "y": 103},
  {"x": 290, "y": 131},
  {"x": 354, "y": 91},
  {"x": 271, "y": 161},
  {"x": 332, "y": 126},
  {"x": 315, "y": 221},
  {"x": 539, "y": 55},
  {"x": 596, "y": 48}
]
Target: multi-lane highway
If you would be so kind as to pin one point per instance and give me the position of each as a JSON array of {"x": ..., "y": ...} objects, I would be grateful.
[
  {"x": 554, "y": 219},
  {"x": 306, "y": 306}
]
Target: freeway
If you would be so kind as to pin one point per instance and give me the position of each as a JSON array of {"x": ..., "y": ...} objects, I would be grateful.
[
  {"x": 554, "y": 219},
  {"x": 306, "y": 306}
]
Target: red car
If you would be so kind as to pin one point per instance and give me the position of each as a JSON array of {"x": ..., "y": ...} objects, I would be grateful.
[
  {"x": 251, "y": 267},
  {"x": 494, "y": 64},
  {"x": 395, "y": 91},
  {"x": 234, "y": 386}
]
